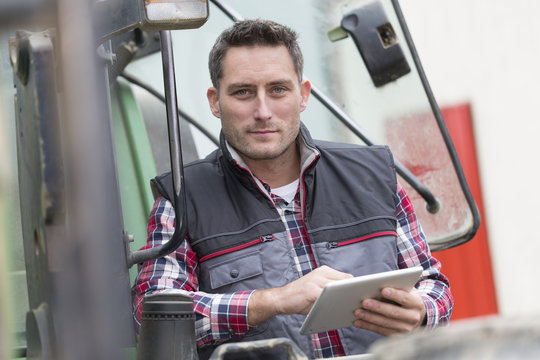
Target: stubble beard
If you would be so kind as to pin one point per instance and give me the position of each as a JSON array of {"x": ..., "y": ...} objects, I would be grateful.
[{"x": 250, "y": 150}]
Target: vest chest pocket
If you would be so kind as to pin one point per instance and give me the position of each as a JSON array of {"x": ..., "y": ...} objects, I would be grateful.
[
  {"x": 243, "y": 266},
  {"x": 360, "y": 256}
]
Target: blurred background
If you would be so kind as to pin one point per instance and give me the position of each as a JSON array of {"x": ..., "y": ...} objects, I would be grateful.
[
  {"x": 484, "y": 55},
  {"x": 480, "y": 59}
]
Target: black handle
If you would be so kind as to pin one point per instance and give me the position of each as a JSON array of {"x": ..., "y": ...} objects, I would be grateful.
[{"x": 177, "y": 166}]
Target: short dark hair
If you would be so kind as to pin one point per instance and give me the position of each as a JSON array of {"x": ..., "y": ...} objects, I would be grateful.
[{"x": 252, "y": 33}]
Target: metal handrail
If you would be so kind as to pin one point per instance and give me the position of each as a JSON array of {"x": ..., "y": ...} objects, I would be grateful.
[
  {"x": 177, "y": 166},
  {"x": 143, "y": 85},
  {"x": 432, "y": 204}
]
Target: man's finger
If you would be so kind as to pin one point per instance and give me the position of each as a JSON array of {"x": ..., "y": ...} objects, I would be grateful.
[
  {"x": 388, "y": 315},
  {"x": 380, "y": 324},
  {"x": 332, "y": 274},
  {"x": 407, "y": 299}
]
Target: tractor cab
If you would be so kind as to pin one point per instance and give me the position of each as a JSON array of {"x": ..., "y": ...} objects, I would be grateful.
[{"x": 107, "y": 94}]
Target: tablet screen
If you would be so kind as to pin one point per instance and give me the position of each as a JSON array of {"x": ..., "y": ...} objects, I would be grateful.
[{"x": 334, "y": 307}]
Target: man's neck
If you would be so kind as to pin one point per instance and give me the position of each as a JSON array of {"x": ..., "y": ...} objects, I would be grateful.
[{"x": 276, "y": 172}]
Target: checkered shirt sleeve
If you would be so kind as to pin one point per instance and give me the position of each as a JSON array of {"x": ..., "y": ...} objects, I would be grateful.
[
  {"x": 412, "y": 251},
  {"x": 219, "y": 317}
]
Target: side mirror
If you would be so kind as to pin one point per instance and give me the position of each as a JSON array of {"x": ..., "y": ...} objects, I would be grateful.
[
  {"x": 172, "y": 14},
  {"x": 116, "y": 17}
]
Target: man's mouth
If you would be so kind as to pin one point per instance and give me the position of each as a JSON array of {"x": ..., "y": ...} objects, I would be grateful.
[{"x": 263, "y": 132}]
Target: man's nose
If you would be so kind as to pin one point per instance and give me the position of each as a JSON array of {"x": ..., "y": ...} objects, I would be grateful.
[{"x": 262, "y": 110}]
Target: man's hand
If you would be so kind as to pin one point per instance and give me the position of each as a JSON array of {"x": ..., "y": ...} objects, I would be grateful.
[
  {"x": 296, "y": 297},
  {"x": 389, "y": 319}
]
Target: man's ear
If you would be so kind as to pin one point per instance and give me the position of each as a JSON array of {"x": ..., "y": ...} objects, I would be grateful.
[
  {"x": 213, "y": 101},
  {"x": 305, "y": 90}
]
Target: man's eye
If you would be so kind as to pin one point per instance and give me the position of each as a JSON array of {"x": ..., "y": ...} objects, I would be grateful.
[
  {"x": 241, "y": 92},
  {"x": 278, "y": 90}
]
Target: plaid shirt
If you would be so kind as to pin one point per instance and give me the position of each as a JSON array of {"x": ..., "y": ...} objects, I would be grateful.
[{"x": 220, "y": 317}]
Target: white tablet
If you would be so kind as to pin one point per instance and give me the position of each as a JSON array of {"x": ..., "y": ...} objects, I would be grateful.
[{"x": 334, "y": 307}]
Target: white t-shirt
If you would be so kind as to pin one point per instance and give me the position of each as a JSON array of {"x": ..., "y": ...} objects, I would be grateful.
[{"x": 286, "y": 192}]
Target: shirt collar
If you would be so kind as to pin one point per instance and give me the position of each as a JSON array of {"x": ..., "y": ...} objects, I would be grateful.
[{"x": 308, "y": 152}]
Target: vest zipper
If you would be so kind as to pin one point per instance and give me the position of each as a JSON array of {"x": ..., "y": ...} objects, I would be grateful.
[
  {"x": 262, "y": 239},
  {"x": 335, "y": 244},
  {"x": 332, "y": 244}
]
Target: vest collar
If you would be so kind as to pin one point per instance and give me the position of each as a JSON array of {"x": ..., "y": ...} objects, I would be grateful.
[{"x": 308, "y": 155}]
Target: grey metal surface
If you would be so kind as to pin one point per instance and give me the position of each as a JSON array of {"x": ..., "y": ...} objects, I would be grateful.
[
  {"x": 77, "y": 275},
  {"x": 357, "y": 357},
  {"x": 167, "y": 328},
  {"x": 113, "y": 17},
  {"x": 26, "y": 11},
  {"x": 260, "y": 349},
  {"x": 493, "y": 338},
  {"x": 39, "y": 168},
  {"x": 95, "y": 287}
]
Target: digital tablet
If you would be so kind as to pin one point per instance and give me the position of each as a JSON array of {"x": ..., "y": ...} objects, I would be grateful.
[{"x": 334, "y": 307}]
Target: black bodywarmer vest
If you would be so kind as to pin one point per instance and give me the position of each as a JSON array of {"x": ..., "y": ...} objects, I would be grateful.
[{"x": 349, "y": 211}]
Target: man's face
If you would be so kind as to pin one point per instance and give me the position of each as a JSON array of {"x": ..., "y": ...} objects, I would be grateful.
[{"x": 259, "y": 102}]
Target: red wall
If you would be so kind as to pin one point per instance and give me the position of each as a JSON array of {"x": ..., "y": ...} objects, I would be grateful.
[{"x": 469, "y": 266}]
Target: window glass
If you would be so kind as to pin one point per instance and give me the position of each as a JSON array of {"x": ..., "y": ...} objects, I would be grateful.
[{"x": 397, "y": 114}]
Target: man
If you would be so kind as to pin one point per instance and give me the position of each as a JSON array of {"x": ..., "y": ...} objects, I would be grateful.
[{"x": 274, "y": 215}]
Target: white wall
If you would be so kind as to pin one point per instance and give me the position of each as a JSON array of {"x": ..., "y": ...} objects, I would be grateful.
[{"x": 487, "y": 52}]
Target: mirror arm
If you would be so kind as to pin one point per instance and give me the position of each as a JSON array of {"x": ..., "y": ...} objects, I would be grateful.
[
  {"x": 175, "y": 149},
  {"x": 227, "y": 10}
]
